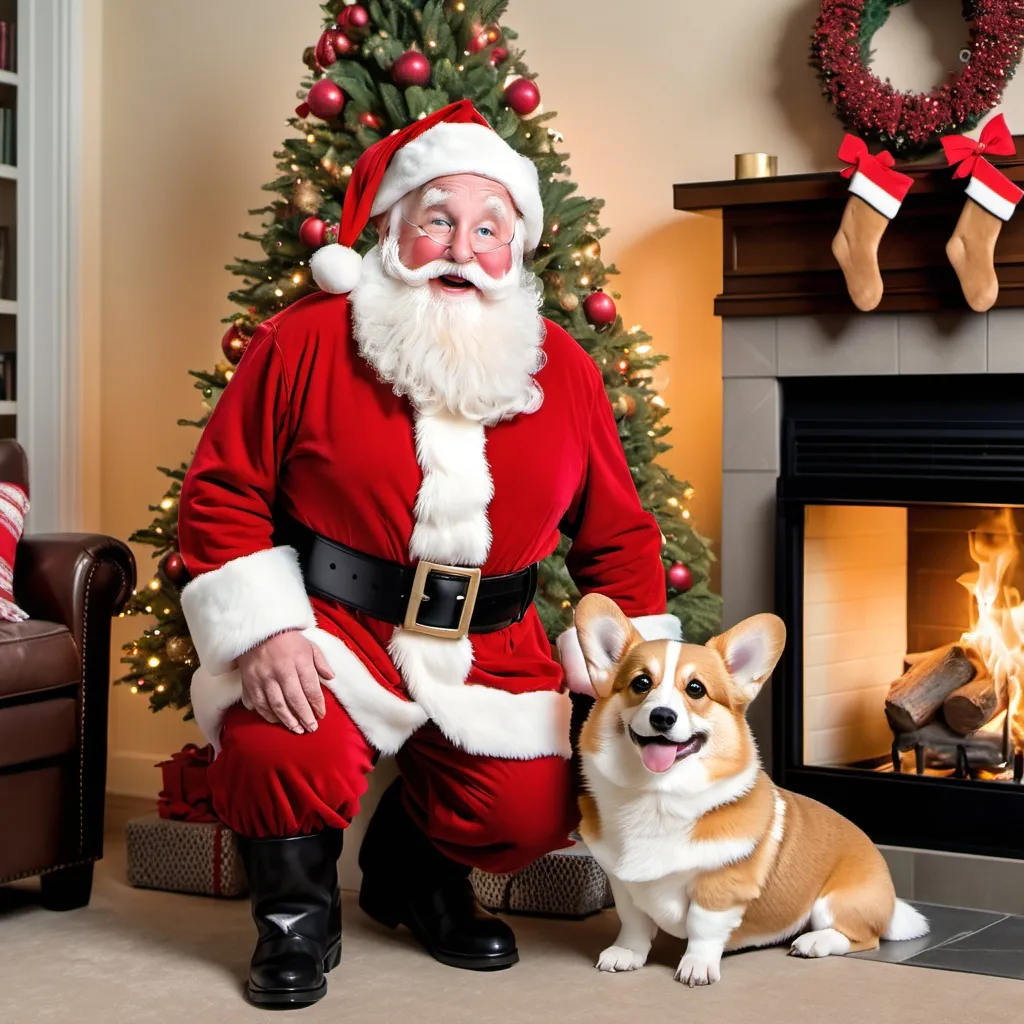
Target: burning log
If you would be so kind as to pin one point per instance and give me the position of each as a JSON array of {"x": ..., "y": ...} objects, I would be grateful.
[
  {"x": 972, "y": 705},
  {"x": 979, "y": 750},
  {"x": 918, "y": 694}
]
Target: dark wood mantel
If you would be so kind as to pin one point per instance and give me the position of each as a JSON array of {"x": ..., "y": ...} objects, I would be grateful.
[{"x": 777, "y": 236}]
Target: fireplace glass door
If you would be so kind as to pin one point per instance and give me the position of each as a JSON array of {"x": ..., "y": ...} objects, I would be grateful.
[
  {"x": 899, "y": 574},
  {"x": 913, "y": 639}
]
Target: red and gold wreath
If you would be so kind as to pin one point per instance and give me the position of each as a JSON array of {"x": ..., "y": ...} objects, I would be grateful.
[{"x": 908, "y": 123}]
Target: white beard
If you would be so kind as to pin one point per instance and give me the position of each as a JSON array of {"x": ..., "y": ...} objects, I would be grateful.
[{"x": 473, "y": 355}]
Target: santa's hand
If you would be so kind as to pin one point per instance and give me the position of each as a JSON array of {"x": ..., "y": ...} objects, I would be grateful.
[{"x": 281, "y": 680}]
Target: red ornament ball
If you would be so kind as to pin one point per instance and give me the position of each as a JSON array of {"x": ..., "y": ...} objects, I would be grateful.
[
  {"x": 313, "y": 233},
  {"x": 341, "y": 43},
  {"x": 599, "y": 309},
  {"x": 371, "y": 121},
  {"x": 522, "y": 96},
  {"x": 680, "y": 578},
  {"x": 325, "y": 51},
  {"x": 498, "y": 55},
  {"x": 478, "y": 41},
  {"x": 325, "y": 99},
  {"x": 412, "y": 68},
  {"x": 233, "y": 344},
  {"x": 173, "y": 568},
  {"x": 353, "y": 16}
]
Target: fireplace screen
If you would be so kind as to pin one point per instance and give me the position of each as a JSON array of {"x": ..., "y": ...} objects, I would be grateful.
[{"x": 913, "y": 640}]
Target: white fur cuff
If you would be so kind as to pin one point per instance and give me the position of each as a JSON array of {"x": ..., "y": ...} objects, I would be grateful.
[
  {"x": 232, "y": 609},
  {"x": 570, "y": 654}
]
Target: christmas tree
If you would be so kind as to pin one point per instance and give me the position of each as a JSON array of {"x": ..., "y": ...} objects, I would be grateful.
[{"x": 374, "y": 69}]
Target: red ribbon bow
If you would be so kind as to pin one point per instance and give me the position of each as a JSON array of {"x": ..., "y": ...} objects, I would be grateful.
[
  {"x": 995, "y": 139},
  {"x": 854, "y": 151},
  {"x": 186, "y": 793}
]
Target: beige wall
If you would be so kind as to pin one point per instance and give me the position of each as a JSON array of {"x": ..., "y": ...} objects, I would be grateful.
[{"x": 648, "y": 93}]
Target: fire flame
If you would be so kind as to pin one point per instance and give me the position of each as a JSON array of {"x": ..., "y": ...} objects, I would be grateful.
[{"x": 996, "y": 636}]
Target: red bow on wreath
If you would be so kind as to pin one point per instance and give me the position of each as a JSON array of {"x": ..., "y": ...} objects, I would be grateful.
[
  {"x": 995, "y": 140},
  {"x": 854, "y": 151},
  {"x": 186, "y": 794}
]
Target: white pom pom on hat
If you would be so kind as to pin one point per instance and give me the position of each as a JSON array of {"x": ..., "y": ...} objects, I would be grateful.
[
  {"x": 453, "y": 140},
  {"x": 336, "y": 268}
]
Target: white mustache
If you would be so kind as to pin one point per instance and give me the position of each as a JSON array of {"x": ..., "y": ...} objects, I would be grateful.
[{"x": 491, "y": 287}]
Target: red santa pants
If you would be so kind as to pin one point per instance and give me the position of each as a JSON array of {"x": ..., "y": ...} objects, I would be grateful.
[{"x": 487, "y": 812}]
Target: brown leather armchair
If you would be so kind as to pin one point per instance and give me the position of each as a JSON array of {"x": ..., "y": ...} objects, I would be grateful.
[{"x": 54, "y": 680}]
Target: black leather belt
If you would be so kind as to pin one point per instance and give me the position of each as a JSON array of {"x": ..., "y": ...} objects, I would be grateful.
[{"x": 438, "y": 600}]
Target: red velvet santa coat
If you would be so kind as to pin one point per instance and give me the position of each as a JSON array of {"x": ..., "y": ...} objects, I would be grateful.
[{"x": 307, "y": 427}]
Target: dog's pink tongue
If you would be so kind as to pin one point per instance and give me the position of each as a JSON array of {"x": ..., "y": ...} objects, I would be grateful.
[{"x": 659, "y": 757}]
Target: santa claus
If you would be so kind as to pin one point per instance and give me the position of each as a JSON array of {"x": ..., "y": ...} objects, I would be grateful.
[{"x": 364, "y": 515}]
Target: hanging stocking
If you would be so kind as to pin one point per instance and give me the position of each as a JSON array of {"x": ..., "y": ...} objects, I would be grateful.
[
  {"x": 876, "y": 193},
  {"x": 991, "y": 199}
]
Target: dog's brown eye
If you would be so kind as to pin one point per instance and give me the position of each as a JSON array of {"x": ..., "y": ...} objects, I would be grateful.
[
  {"x": 642, "y": 684},
  {"x": 695, "y": 689}
]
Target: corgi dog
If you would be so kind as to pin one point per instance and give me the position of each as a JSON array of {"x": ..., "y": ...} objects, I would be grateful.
[{"x": 695, "y": 838}]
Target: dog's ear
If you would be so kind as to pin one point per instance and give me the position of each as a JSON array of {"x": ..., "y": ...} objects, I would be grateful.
[
  {"x": 605, "y": 635},
  {"x": 750, "y": 650}
]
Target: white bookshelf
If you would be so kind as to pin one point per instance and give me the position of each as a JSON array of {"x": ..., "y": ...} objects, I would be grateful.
[{"x": 11, "y": 205}]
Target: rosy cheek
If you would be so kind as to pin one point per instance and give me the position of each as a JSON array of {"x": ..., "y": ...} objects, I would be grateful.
[
  {"x": 497, "y": 263},
  {"x": 418, "y": 251}
]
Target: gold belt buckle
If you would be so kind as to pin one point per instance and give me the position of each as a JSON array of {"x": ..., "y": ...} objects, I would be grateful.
[{"x": 417, "y": 597}]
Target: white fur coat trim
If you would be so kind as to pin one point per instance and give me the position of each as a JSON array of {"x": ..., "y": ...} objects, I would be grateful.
[
  {"x": 451, "y": 504},
  {"x": 385, "y": 720},
  {"x": 452, "y": 528},
  {"x": 234, "y": 608},
  {"x": 478, "y": 719},
  {"x": 650, "y": 627}
]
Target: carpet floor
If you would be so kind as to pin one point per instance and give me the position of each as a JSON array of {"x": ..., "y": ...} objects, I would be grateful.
[{"x": 136, "y": 956}]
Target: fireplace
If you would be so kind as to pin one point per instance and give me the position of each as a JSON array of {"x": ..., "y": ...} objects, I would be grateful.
[
  {"x": 900, "y": 530},
  {"x": 866, "y": 458}
]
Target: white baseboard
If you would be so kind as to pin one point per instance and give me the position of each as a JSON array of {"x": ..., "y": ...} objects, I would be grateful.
[{"x": 135, "y": 774}]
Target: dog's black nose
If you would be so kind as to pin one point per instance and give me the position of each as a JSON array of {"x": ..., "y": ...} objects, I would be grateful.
[{"x": 663, "y": 719}]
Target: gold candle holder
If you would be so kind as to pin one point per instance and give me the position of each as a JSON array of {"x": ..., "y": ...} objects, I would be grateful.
[{"x": 756, "y": 165}]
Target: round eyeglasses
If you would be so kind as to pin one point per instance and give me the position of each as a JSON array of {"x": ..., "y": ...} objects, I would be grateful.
[{"x": 443, "y": 233}]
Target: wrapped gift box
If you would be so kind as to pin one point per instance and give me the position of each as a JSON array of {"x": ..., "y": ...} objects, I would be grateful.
[
  {"x": 567, "y": 883},
  {"x": 184, "y": 856}
]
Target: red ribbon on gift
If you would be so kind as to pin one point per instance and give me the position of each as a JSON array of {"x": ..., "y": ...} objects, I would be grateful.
[
  {"x": 854, "y": 151},
  {"x": 995, "y": 140},
  {"x": 186, "y": 792}
]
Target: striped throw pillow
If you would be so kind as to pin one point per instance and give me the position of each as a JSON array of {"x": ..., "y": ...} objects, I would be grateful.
[{"x": 13, "y": 506}]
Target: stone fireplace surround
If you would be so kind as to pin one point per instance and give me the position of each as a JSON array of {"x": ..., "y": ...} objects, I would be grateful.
[{"x": 756, "y": 353}]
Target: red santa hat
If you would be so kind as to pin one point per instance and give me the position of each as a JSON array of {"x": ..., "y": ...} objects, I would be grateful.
[{"x": 453, "y": 140}]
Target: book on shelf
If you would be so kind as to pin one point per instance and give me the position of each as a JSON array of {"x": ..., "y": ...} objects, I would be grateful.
[
  {"x": 8, "y": 46},
  {"x": 7, "y": 136},
  {"x": 7, "y": 377},
  {"x": 4, "y": 238}
]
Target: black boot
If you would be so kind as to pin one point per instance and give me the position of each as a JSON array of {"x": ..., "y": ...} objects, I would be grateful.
[
  {"x": 407, "y": 880},
  {"x": 296, "y": 905}
]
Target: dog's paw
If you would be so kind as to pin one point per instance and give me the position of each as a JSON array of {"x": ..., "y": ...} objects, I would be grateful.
[
  {"x": 696, "y": 970},
  {"x": 619, "y": 958},
  {"x": 826, "y": 942}
]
